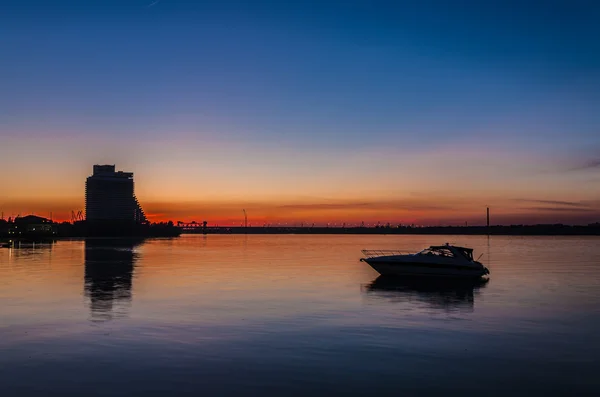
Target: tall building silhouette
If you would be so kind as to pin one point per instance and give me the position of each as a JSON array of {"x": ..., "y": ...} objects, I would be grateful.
[{"x": 110, "y": 197}]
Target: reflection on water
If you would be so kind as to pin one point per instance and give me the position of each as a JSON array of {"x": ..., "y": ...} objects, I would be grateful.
[
  {"x": 28, "y": 247},
  {"x": 109, "y": 267},
  {"x": 20, "y": 244},
  {"x": 296, "y": 315},
  {"x": 448, "y": 295}
]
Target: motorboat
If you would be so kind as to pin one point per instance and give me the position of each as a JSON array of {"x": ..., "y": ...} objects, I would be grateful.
[{"x": 436, "y": 261}]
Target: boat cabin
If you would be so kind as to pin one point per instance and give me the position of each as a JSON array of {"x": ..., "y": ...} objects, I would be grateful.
[{"x": 449, "y": 251}]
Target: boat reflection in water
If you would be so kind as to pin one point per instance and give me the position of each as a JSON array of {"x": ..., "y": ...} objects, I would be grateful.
[
  {"x": 109, "y": 269},
  {"x": 439, "y": 294}
]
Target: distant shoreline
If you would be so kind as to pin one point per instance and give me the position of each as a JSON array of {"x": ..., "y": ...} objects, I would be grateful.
[{"x": 514, "y": 230}]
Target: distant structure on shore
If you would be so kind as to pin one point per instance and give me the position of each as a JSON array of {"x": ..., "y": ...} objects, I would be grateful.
[
  {"x": 111, "y": 210},
  {"x": 110, "y": 197},
  {"x": 31, "y": 226}
]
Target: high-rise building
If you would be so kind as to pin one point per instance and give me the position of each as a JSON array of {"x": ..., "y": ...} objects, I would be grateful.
[{"x": 109, "y": 196}]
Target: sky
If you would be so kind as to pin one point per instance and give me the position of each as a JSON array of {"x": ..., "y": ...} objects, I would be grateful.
[{"x": 299, "y": 112}]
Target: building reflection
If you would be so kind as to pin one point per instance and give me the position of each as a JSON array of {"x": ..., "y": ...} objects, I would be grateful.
[
  {"x": 30, "y": 245},
  {"x": 109, "y": 269},
  {"x": 453, "y": 295},
  {"x": 23, "y": 250}
]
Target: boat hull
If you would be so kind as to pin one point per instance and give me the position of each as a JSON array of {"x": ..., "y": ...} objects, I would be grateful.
[{"x": 417, "y": 269}]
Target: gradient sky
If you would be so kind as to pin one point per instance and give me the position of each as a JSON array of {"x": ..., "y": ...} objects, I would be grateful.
[{"x": 312, "y": 111}]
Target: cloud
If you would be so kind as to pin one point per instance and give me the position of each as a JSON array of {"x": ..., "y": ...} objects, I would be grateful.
[
  {"x": 586, "y": 165},
  {"x": 560, "y": 209},
  {"x": 555, "y": 202},
  {"x": 324, "y": 206},
  {"x": 410, "y": 205},
  {"x": 155, "y": 2}
]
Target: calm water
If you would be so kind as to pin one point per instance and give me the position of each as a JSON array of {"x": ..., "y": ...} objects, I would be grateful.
[{"x": 295, "y": 315}]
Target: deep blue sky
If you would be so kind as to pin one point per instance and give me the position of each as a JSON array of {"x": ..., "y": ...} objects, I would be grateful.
[
  {"x": 276, "y": 67},
  {"x": 309, "y": 80}
]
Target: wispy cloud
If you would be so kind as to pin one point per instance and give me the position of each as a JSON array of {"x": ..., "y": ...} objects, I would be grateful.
[
  {"x": 155, "y": 2},
  {"x": 560, "y": 209},
  {"x": 555, "y": 202},
  {"x": 411, "y": 205},
  {"x": 586, "y": 165}
]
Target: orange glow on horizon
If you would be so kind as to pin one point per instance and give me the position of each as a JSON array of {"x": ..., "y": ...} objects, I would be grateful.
[{"x": 418, "y": 210}]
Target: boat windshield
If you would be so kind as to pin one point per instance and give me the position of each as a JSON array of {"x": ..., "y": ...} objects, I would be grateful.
[
  {"x": 437, "y": 252},
  {"x": 467, "y": 253},
  {"x": 448, "y": 252}
]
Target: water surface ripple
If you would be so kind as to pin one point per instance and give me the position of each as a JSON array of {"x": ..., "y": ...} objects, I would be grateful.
[{"x": 296, "y": 315}]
